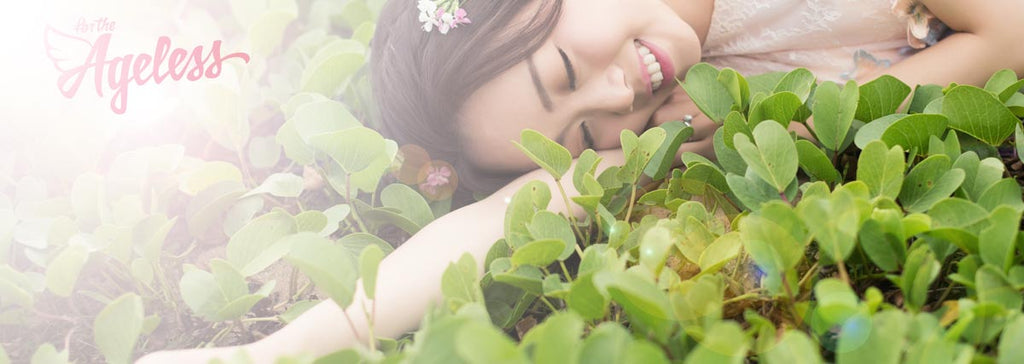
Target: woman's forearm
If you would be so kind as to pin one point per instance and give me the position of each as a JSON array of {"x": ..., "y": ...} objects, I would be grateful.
[{"x": 986, "y": 41}]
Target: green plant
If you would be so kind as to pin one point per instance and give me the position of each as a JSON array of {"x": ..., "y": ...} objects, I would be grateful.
[{"x": 893, "y": 236}]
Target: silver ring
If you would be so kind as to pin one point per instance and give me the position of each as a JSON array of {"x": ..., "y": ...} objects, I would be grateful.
[{"x": 687, "y": 119}]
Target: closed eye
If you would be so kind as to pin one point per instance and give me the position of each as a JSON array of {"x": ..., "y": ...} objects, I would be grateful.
[
  {"x": 570, "y": 71},
  {"x": 588, "y": 139}
]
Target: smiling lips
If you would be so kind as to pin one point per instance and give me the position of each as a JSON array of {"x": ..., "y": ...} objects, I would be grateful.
[{"x": 655, "y": 65}]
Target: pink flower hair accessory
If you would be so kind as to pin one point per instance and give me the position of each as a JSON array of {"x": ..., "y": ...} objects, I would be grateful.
[{"x": 444, "y": 15}]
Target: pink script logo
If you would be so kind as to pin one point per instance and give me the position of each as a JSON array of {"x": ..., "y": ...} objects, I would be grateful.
[{"x": 74, "y": 57}]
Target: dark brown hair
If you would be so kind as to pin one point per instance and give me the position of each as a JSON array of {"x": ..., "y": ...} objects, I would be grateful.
[{"x": 421, "y": 79}]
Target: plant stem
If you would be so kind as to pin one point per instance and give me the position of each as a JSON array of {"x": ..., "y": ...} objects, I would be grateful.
[
  {"x": 348, "y": 198},
  {"x": 566, "y": 270},
  {"x": 632, "y": 200},
  {"x": 754, "y": 294},
  {"x": 792, "y": 299},
  {"x": 548, "y": 303},
  {"x": 803, "y": 280},
  {"x": 370, "y": 341},
  {"x": 842, "y": 272},
  {"x": 572, "y": 218},
  {"x": 351, "y": 325}
]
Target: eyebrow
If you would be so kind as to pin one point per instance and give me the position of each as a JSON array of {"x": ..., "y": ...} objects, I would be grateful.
[
  {"x": 569, "y": 70},
  {"x": 545, "y": 100}
]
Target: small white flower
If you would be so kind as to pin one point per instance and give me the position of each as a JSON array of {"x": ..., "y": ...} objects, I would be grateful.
[{"x": 428, "y": 9}]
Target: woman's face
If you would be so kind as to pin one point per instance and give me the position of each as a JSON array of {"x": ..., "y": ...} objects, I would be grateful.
[{"x": 597, "y": 74}]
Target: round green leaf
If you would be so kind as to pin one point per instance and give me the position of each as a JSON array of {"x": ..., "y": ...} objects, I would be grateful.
[
  {"x": 538, "y": 253},
  {"x": 330, "y": 266},
  {"x": 979, "y": 113},
  {"x": 280, "y": 185},
  {"x": 118, "y": 326},
  {"x": 369, "y": 261},
  {"x": 251, "y": 248},
  {"x": 550, "y": 156},
  {"x": 774, "y": 157},
  {"x": 914, "y": 131}
]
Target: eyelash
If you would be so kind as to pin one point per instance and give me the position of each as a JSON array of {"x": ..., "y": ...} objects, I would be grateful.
[{"x": 588, "y": 139}]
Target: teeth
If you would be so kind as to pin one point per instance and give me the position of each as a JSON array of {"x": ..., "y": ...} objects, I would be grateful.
[{"x": 653, "y": 67}]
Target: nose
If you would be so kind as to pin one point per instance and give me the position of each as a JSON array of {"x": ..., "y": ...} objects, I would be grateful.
[{"x": 612, "y": 94}]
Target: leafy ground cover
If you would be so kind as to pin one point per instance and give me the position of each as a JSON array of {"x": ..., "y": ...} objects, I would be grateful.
[{"x": 893, "y": 237}]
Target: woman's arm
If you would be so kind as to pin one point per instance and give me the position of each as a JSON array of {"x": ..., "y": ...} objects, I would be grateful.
[
  {"x": 408, "y": 282},
  {"x": 987, "y": 39}
]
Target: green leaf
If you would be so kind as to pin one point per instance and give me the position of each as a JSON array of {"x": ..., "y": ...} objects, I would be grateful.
[
  {"x": 661, "y": 161},
  {"x": 878, "y": 339},
  {"x": 526, "y": 277},
  {"x": 697, "y": 302},
  {"x": 929, "y": 182},
  {"x": 735, "y": 123},
  {"x": 923, "y": 95},
  {"x": 311, "y": 221},
  {"x": 460, "y": 283},
  {"x": 914, "y": 131},
  {"x": 354, "y": 149},
  {"x": 320, "y": 116},
  {"x": 482, "y": 343},
  {"x": 63, "y": 271},
  {"x": 728, "y": 157},
  {"x": 981, "y": 174},
  {"x": 606, "y": 344},
  {"x": 711, "y": 97},
  {"x": 799, "y": 81},
  {"x": 655, "y": 246},
  {"x": 815, "y": 163},
  {"x": 793, "y": 348},
  {"x": 836, "y": 301},
  {"x": 881, "y": 97},
  {"x": 1004, "y": 84},
  {"x": 773, "y": 158},
  {"x": 881, "y": 169},
  {"x": 919, "y": 271},
  {"x": 834, "y": 222},
  {"x": 833, "y": 112},
  {"x": 751, "y": 190},
  {"x": 253, "y": 248},
  {"x": 736, "y": 85},
  {"x": 332, "y": 67},
  {"x": 979, "y": 113},
  {"x": 638, "y": 152},
  {"x": 724, "y": 343},
  {"x": 1018, "y": 140},
  {"x": 117, "y": 328},
  {"x": 586, "y": 164},
  {"x": 647, "y": 306},
  {"x": 47, "y": 354},
  {"x": 996, "y": 243},
  {"x": 547, "y": 225},
  {"x": 549, "y": 155},
  {"x": 1010, "y": 350},
  {"x": 533, "y": 196},
  {"x": 538, "y": 253},
  {"x": 723, "y": 250},
  {"x": 780, "y": 107},
  {"x": 585, "y": 299},
  {"x": 280, "y": 185},
  {"x": 330, "y": 266},
  {"x": 556, "y": 340},
  {"x": 694, "y": 240},
  {"x": 410, "y": 203},
  {"x": 1006, "y": 192},
  {"x": 873, "y": 131},
  {"x": 369, "y": 261},
  {"x": 993, "y": 287},
  {"x": 882, "y": 238}
]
